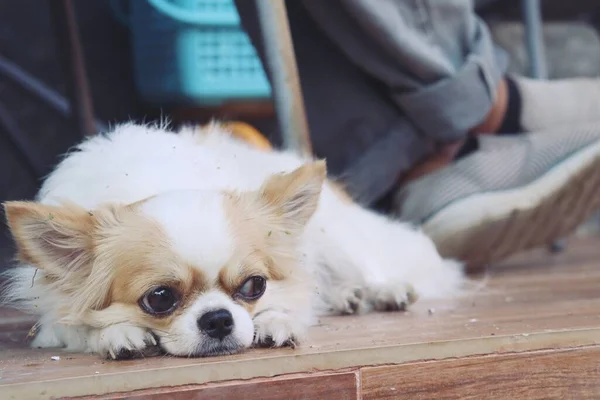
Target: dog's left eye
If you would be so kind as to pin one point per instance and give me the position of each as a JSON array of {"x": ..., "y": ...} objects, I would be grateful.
[
  {"x": 252, "y": 288},
  {"x": 159, "y": 301}
]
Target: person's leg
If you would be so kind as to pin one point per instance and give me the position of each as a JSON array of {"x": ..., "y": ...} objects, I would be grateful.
[
  {"x": 448, "y": 86},
  {"x": 430, "y": 53},
  {"x": 390, "y": 74},
  {"x": 367, "y": 141},
  {"x": 425, "y": 55},
  {"x": 516, "y": 192}
]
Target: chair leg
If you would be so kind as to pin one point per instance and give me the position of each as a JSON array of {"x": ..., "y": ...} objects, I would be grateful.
[
  {"x": 534, "y": 37},
  {"x": 69, "y": 44},
  {"x": 281, "y": 61}
]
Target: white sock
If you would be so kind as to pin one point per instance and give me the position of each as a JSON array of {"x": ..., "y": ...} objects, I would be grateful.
[{"x": 551, "y": 103}]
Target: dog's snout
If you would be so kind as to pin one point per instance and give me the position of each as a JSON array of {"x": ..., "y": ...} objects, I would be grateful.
[{"x": 216, "y": 324}]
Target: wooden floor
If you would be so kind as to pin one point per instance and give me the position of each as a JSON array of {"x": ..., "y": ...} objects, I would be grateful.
[{"x": 533, "y": 332}]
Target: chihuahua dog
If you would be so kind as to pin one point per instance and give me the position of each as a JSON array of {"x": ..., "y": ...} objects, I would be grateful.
[{"x": 195, "y": 243}]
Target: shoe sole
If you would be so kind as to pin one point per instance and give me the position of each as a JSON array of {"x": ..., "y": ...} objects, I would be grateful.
[{"x": 486, "y": 228}]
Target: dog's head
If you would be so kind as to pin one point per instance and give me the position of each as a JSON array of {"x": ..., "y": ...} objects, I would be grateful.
[{"x": 191, "y": 266}]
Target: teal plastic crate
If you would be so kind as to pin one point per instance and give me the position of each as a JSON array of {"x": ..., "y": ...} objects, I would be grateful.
[{"x": 193, "y": 52}]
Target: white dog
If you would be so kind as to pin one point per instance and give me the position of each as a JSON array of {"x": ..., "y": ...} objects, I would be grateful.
[{"x": 197, "y": 244}]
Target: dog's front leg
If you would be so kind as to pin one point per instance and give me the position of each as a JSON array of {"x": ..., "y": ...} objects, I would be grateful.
[
  {"x": 284, "y": 315},
  {"x": 114, "y": 337},
  {"x": 122, "y": 341},
  {"x": 276, "y": 327},
  {"x": 117, "y": 342}
]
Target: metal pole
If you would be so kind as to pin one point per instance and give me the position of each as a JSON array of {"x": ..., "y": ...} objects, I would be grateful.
[
  {"x": 281, "y": 61},
  {"x": 41, "y": 90},
  {"x": 534, "y": 37},
  {"x": 69, "y": 44}
]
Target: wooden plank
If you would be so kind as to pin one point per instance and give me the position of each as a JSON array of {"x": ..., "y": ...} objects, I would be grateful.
[
  {"x": 534, "y": 302},
  {"x": 12, "y": 320},
  {"x": 342, "y": 386},
  {"x": 573, "y": 374}
]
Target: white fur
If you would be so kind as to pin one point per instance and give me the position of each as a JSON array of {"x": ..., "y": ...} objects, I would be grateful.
[
  {"x": 183, "y": 338},
  {"x": 110, "y": 340},
  {"x": 197, "y": 213},
  {"x": 359, "y": 260}
]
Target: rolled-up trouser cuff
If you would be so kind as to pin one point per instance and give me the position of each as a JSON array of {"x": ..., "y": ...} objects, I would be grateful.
[{"x": 445, "y": 110}]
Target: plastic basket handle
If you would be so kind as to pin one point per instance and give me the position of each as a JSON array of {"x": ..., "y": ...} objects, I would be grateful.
[{"x": 196, "y": 18}]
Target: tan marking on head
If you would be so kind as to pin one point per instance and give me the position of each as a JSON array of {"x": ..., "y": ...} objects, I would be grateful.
[
  {"x": 267, "y": 225},
  {"x": 49, "y": 235},
  {"x": 256, "y": 263},
  {"x": 252, "y": 248},
  {"x": 294, "y": 196},
  {"x": 255, "y": 236},
  {"x": 137, "y": 204},
  {"x": 142, "y": 259},
  {"x": 112, "y": 255},
  {"x": 137, "y": 256},
  {"x": 60, "y": 241}
]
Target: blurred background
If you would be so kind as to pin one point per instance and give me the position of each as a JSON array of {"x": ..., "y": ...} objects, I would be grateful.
[{"x": 34, "y": 132}]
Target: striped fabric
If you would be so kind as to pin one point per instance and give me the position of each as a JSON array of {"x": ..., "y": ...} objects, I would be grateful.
[{"x": 501, "y": 163}]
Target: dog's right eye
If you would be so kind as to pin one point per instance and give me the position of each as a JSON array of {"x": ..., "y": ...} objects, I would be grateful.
[
  {"x": 160, "y": 301},
  {"x": 252, "y": 288}
]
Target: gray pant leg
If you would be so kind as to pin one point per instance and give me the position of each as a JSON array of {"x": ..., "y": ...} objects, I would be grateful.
[
  {"x": 435, "y": 58},
  {"x": 351, "y": 83},
  {"x": 366, "y": 139}
]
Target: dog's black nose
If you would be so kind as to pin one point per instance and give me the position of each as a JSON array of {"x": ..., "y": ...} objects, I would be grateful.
[{"x": 216, "y": 324}]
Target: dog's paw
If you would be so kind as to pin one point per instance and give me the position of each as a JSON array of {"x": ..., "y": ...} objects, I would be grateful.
[
  {"x": 276, "y": 328},
  {"x": 348, "y": 300},
  {"x": 122, "y": 342},
  {"x": 44, "y": 336},
  {"x": 393, "y": 297}
]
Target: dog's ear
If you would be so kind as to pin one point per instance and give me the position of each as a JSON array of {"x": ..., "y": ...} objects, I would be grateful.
[
  {"x": 295, "y": 195},
  {"x": 54, "y": 238}
]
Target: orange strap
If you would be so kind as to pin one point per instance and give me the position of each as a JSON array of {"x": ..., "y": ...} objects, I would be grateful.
[{"x": 249, "y": 134}]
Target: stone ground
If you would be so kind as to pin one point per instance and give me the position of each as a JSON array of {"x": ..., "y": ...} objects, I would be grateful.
[{"x": 26, "y": 38}]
